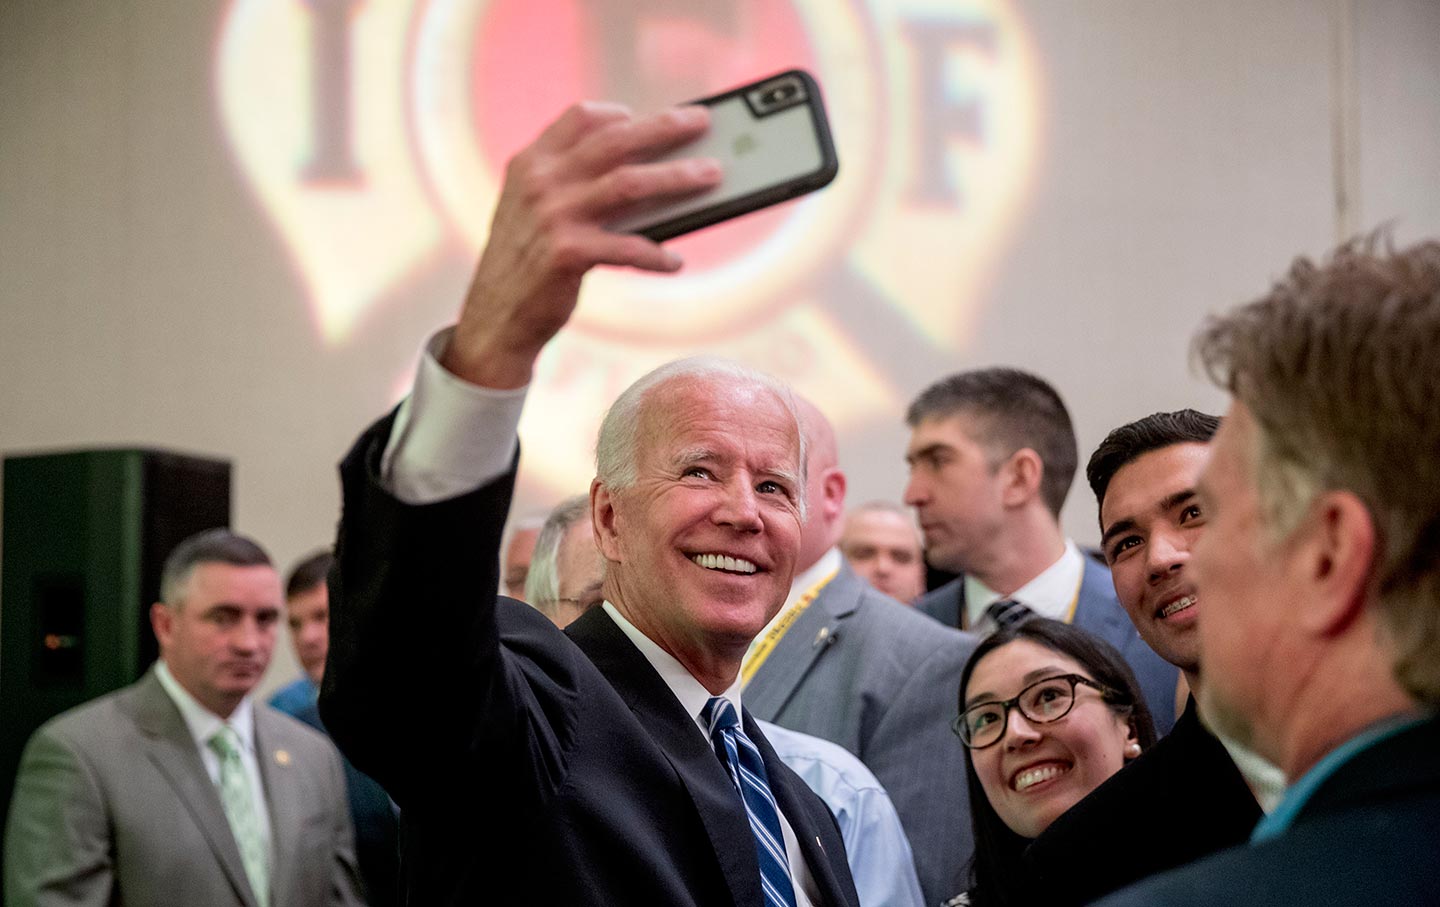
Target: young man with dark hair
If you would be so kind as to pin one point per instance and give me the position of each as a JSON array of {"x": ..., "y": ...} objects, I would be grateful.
[
  {"x": 1319, "y": 580},
  {"x": 1184, "y": 798},
  {"x": 992, "y": 454}
]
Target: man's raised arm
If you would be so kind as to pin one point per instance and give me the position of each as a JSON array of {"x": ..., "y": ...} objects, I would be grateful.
[{"x": 414, "y": 641}]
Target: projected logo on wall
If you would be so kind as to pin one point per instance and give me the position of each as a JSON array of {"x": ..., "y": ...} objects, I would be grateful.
[{"x": 375, "y": 134}]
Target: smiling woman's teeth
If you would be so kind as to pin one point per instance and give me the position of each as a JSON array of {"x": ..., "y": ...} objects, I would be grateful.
[
  {"x": 721, "y": 562},
  {"x": 1035, "y": 775},
  {"x": 1180, "y": 604}
]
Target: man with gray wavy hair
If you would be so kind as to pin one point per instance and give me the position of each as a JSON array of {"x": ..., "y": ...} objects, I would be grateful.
[
  {"x": 1320, "y": 573},
  {"x": 567, "y": 571}
]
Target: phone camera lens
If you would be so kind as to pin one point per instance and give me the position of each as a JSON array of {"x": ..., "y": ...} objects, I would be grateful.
[{"x": 779, "y": 94}]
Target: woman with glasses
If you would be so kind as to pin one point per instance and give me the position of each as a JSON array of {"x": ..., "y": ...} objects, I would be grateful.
[{"x": 1047, "y": 712}]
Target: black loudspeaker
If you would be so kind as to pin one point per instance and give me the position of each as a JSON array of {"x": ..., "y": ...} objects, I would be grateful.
[{"x": 86, "y": 534}]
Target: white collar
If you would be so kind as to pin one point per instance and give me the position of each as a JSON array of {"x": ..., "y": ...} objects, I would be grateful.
[
  {"x": 202, "y": 722},
  {"x": 1051, "y": 593},
  {"x": 690, "y": 692}
]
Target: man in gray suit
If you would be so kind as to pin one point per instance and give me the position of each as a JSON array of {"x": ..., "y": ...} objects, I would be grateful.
[
  {"x": 992, "y": 454},
  {"x": 180, "y": 789},
  {"x": 845, "y": 663}
]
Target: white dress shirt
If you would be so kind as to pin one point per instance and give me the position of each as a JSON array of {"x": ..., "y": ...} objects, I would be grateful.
[
  {"x": 451, "y": 437},
  {"x": 1053, "y": 593},
  {"x": 203, "y": 724}
]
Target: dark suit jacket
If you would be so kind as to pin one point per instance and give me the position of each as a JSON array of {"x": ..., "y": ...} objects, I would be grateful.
[
  {"x": 1098, "y": 611},
  {"x": 1369, "y": 835},
  {"x": 1182, "y": 800},
  {"x": 530, "y": 766},
  {"x": 864, "y": 671},
  {"x": 113, "y": 806}
]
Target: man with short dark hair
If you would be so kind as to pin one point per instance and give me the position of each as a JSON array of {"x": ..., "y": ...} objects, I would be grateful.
[
  {"x": 1183, "y": 798},
  {"x": 180, "y": 789},
  {"x": 1318, "y": 578},
  {"x": 307, "y": 612},
  {"x": 307, "y": 605},
  {"x": 992, "y": 454}
]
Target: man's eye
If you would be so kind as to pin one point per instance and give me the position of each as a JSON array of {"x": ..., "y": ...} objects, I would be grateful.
[
  {"x": 699, "y": 472},
  {"x": 1190, "y": 513},
  {"x": 772, "y": 488},
  {"x": 1125, "y": 544}
]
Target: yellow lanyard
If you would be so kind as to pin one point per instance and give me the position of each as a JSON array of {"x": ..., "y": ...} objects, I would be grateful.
[{"x": 766, "y": 644}]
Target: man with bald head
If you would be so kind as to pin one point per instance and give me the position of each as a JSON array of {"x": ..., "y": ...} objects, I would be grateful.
[
  {"x": 612, "y": 762},
  {"x": 848, "y": 664},
  {"x": 881, "y": 544}
]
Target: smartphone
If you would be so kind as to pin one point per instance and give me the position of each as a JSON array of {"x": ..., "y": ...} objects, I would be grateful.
[{"x": 773, "y": 143}]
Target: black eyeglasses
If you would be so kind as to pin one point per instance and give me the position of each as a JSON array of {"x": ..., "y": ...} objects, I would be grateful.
[{"x": 1042, "y": 702}]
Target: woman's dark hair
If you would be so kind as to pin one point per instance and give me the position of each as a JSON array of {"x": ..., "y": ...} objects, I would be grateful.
[{"x": 996, "y": 872}]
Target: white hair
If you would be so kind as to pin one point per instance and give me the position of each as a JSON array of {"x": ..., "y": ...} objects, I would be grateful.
[
  {"x": 542, "y": 583},
  {"x": 618, "y": 446}
]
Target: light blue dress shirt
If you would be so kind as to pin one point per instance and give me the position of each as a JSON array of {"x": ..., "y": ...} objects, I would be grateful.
[{"x": 875, "y": 845}]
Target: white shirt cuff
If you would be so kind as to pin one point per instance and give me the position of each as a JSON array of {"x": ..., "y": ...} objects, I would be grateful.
[{"x": 450, "y": 436}]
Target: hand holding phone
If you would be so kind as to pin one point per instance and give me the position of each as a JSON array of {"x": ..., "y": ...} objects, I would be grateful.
[{"x": 773, "y": 143}]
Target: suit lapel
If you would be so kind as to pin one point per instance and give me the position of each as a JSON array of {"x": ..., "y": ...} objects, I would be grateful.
[
  {"x": 795, "y": 654},
  {"x": 283, "y": 795},
  {"x": 684, "y": 746},
  {"x": 173, "y": 751}
]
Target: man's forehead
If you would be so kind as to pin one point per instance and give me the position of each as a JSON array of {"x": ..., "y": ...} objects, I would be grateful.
[
  {"x": 954, "y": 427},
  {"x": 1155, "y": 480}
]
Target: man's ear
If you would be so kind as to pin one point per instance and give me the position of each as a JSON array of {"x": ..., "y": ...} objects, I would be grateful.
[
  {"x": 1334, "y": 550},
  {"x": 162, "y": 621},
  {"x": 603, "y": 520},
  {"x": 834, "y": 493},
  {"x": 1020, "y": 477}
]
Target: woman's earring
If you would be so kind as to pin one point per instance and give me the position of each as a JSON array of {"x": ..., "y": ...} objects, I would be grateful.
[{"x": 1133, "y": 750}]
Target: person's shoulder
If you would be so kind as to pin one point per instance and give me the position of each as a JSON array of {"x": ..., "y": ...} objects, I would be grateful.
[
  {"x": 276, "y": 728},
  {"x": 810, "y": 757},
  {"x": 91, "y": 722},
  {"x": 947, "y": 595},
  {"x": 294, "y": 696},
  {"x": 904, "y": 623}
]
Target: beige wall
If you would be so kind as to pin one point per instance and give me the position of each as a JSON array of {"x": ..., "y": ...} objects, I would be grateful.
[{"x": 1185, "y": 153}]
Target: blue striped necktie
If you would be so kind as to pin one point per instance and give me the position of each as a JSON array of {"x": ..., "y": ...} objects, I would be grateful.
[{"x": 747, "y": 771}]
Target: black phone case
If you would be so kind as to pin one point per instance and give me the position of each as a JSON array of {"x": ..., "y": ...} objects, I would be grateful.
[{"x": 819, "y": 178}]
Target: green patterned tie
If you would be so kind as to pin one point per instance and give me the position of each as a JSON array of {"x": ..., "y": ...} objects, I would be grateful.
[{"x": 239, "y": 802}]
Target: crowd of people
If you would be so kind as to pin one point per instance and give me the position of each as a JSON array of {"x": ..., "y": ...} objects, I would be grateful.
[{"x": 710, "y": 682}]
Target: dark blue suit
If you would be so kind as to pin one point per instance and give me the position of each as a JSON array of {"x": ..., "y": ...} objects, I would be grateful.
[
  {"x": 1369, "y": 835},
  {"x": 531, "y": 766},
  {"x": 1098, "y": 611}
]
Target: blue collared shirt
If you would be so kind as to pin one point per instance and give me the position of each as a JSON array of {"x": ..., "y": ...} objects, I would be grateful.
[
  {"x": 1298, "y": 794},
  {"x": 875, "y": 845}
]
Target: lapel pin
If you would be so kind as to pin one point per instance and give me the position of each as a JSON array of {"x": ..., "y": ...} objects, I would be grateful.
[{"x": 282, "y": 757}]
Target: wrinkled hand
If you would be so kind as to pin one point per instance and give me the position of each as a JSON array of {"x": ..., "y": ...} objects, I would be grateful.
[{"x": 586, "y": 169}]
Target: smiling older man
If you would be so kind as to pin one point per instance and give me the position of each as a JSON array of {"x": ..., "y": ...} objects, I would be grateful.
[{"x": 611, "y": 763}]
